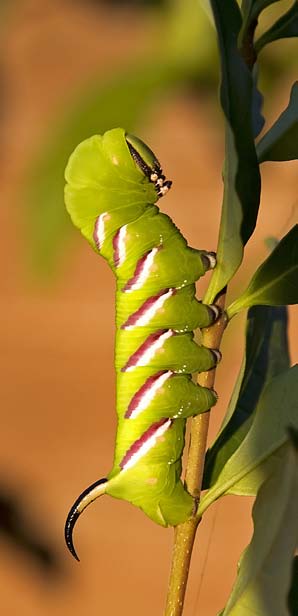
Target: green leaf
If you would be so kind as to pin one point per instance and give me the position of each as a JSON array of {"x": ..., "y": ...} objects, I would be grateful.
[
  {"x": 250, "y": 484},
  {"x": 281, "y": 140},
  {"x": 258, "y": 119},
  {"x": 276, "y": 410},
  {"x": 264, "y": 573},
  {"x": 241, "y": 171},
  {"x": 275, "y": 281},
  {"x": 266, "y": 355},
  {"x": 253, "y": 8},
  {"x": 285, "y": 27},
  {"x": 293, "y": 594}
]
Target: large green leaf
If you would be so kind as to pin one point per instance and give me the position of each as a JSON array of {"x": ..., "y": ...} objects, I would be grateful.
[
  {"x": 281, "y": 140},
  {"x": 266, "y": 355},
  {"x": 276, "y": 410},
  {"x": 264, "y": 573},
  {"x": 241, "y": 171},
  {"x": 285, "y": 27},
  {"x": 249, "y": 484},
  {"x": 275, "y": 281}
]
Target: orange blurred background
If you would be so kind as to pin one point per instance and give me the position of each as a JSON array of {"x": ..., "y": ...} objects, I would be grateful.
[{"x": 57, "y": 334}]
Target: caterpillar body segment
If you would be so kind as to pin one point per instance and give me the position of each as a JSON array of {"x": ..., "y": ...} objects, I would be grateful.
[{"x": 113, "y": 184}]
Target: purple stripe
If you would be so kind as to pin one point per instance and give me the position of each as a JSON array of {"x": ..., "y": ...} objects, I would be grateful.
[
  {"x": 138, "y": 271},
  {"x": 135, "y": 401},
  {"x": 133, "y": 318},
  {"x": 143, "y": 348},
  {"x": 136, "y": 446},
  {"x": 116, "y": 248},
  {"x": 95, "y": 233}
]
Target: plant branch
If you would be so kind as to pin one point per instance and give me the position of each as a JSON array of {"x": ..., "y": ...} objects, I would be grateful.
[{"x": 185, "y": 533}]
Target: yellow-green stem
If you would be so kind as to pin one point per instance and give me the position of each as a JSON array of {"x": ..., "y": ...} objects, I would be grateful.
[{"x": 185, "y": 533}]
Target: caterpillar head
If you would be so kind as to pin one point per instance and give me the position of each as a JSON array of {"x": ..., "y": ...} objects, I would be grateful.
[
  {"x": 148, "y": 163},
  {"x": 108, "y": 174}
]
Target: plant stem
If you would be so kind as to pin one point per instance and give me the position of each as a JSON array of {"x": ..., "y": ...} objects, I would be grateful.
[{"x": 185, "y": 533}]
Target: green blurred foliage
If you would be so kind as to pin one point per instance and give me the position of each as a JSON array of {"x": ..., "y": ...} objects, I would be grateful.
[
  {"x": 128, "y": 3},
  {"x": 183, "y": 55},
  {"x": 176, "y": 59}
]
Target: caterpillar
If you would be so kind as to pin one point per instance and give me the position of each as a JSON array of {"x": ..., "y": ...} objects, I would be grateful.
[{"x": 112, "y": 185}]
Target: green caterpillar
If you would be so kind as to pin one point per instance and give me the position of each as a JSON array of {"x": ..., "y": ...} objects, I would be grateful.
[{"x": 113, "y": 183}]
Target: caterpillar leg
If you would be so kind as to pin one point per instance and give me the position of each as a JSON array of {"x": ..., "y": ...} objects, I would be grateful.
[
  {"x": 88, "y": 496},
  {"x": 209, "y": 259}
]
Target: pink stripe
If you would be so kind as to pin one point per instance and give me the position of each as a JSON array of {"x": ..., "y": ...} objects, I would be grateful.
[
  {"x": 148, "y": 307},
  {"x": 99, "y": 232},
  {"x": 116, "y": 248},
  {"x": 154, "y": 342},
  {"x": 142, "y": 270},
  {"x": 147, "y": 392},
  {"x": 148, "y": 440}
]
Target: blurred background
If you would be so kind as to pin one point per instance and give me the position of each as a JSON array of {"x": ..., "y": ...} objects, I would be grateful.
[{"x": 69, "y": 69}]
